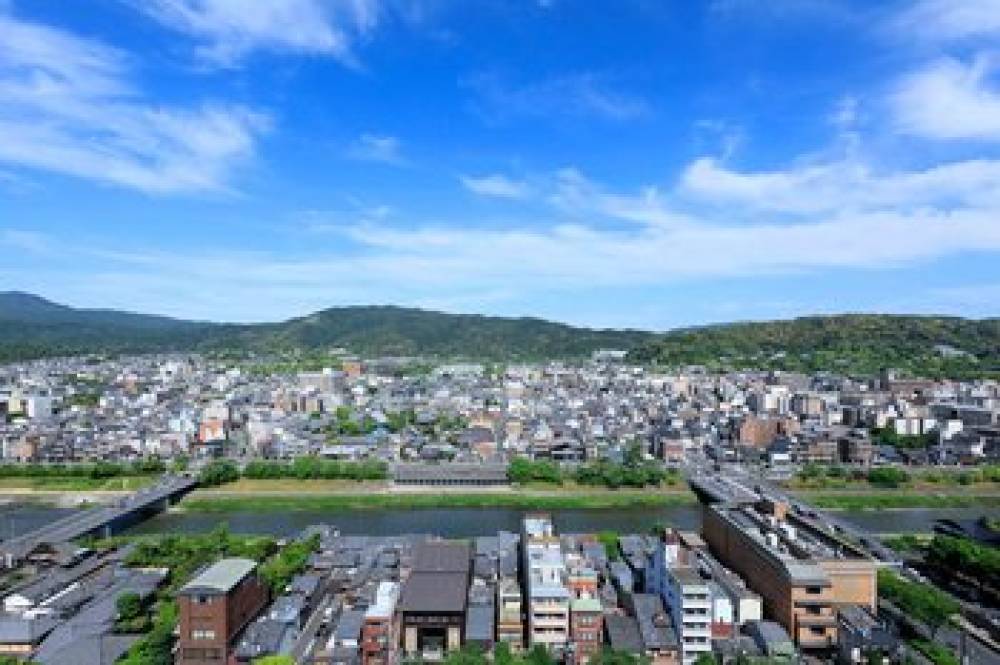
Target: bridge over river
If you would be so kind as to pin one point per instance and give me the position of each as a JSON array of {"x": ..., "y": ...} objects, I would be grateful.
[{"x": 101, "y": 521}]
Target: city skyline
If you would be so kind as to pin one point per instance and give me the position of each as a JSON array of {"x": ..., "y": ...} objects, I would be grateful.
[{"x": 654, "y": 166}]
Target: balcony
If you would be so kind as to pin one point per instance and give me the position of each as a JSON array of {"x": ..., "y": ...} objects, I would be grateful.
[{"x": 806, "y": 620}]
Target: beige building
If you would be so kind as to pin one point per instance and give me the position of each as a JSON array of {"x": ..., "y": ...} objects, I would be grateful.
[{"x": 802, "y": 573}]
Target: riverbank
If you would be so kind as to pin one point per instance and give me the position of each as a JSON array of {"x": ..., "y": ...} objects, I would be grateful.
[
  {"x": 19, "y": 484},
  {"x": 903, "y": 498},
  {"x": 225, "y": 500}
]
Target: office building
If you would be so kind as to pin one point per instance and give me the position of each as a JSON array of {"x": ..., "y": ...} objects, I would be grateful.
[{"x": 802, "y": 571}]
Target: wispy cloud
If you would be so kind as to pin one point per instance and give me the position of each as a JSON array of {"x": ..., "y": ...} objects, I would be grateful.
[
  {"x": 377, "y": 148},
  {"x": 949, "y": 20},
  {"x": 840, "y": 215},
  {"x": 496, "y": 185},
  {"x": 584, "y": 94},
  {"x": 229, "y": 30},
  {"x": 950, "y": 99},
  {"x": 69, "y": 106},
  {"x": 842, "y": 185},
  {"x": 25, "y": 241}
]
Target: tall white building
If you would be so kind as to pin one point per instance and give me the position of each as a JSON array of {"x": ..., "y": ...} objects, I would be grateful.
[
  {"x": 547, "y": 597},
  {"x": 685, "y": 595}
]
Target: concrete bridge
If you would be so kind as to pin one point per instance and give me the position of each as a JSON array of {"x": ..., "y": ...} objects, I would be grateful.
[
  {"x": 720, "y": 489},
  {"x": 102, "y": 521}
]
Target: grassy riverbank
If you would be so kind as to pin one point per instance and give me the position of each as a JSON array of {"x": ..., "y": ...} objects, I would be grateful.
[
  {"x": 900, "y": 499},
  {"x": 72, "y": 484},
  {"x": 221, "y": 501}
]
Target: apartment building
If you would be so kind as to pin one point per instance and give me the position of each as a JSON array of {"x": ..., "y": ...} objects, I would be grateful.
[
  {"x": 689, "y": 598},
  {"x": 586, "y": 630},
  {"x": 685, "y": 595},
  {"x": 510, "y": 624},
  {"x": 214, "y": 607},
  {"x": 802, "y": 572},
  {"x": 546, "y": 595},
  {"x": 380, "y": 631}
]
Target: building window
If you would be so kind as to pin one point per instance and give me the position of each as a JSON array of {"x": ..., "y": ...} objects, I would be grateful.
[
  {"x": 202, "y": 600},
  {"x": 817, "y": 630},
  {"x": 202, "y": 634},
  {"x": 814, "y": 590}
]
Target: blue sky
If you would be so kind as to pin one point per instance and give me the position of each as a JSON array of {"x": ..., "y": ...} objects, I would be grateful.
[{"x": 641, "y": 163}]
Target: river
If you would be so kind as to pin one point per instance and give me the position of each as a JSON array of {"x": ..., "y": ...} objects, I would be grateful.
[{"x": 459, "y": 522}]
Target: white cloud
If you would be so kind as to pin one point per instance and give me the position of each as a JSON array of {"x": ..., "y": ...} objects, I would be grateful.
[
  {"x": 377, "y": 148},
  {"x": 231, "y": 29},
  {"x": 950, "y": 99},
  {"x": 575, "y": 194},
  {"x": 884, "y": 221},
  {"x": 69, "y": 106},
  {"x": 844, "y": 185},
  {"x": 845, "y": 113},
  {"x": 881, "y": 221},
  {"x": 949, "y": 20},
  {"x": 496, "y": 185},
  {"x": 584, "y": 94},
  {"x": 437, "y": 263}
]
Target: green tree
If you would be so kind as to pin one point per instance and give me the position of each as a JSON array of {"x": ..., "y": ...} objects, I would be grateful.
[
  {"x": 609, "y": 656},
  {"x": 274, "y": 660},
  {"x": 922, "y": 602},
  {"x": 218, "y": 472},
  {"x": 468, "y": 655},
  {"x": 129, "y": 606}
]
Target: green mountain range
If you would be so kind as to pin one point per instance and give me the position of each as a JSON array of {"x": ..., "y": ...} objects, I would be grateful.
[
  {"x": 32, "y": 327},
  {"x": 931, "y": 346}
]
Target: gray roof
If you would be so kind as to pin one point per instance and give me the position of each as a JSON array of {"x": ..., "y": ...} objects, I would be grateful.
[
  {"x": 768, "y": 634},
  {"x": 434, "y": 592},
  {"x": 349, "y": 626},
  {"x": 263, "y": 637},
  {"x": 623, "y": 633},
  {"x": 442, "y": 557},
  {"x": 479, "y": 623},
  {"x": 87, "y": 638},
  {"x": 655, "y": 626},
  {"x": 305, "y": 584},
  {"x": 220, "y": 577}
]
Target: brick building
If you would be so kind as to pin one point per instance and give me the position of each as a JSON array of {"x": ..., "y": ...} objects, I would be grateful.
[
  {"x": 214, "y": 607},
  {"x": 586, "y": 629}
]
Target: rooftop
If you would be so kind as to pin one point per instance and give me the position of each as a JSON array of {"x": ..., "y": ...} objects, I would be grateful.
[
  {"x": 442, "y": 557},
  {"x": 220, "y": 577}
]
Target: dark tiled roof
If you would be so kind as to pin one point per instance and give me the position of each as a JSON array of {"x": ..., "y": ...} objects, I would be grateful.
[
  {"x": 434, "y": 592},
  {"x": 441, "y": 557},
  {"x": 623, "y": 633}
]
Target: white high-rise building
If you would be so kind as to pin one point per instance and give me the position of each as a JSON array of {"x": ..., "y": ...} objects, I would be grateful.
[
  {"x": 547, "y": 597},
  {"x": 685, "y": 595}
]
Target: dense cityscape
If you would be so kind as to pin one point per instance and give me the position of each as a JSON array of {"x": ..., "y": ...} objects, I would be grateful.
[
  {"x": 499, "y": 332},
  {"x": 767, "y": 576}
]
